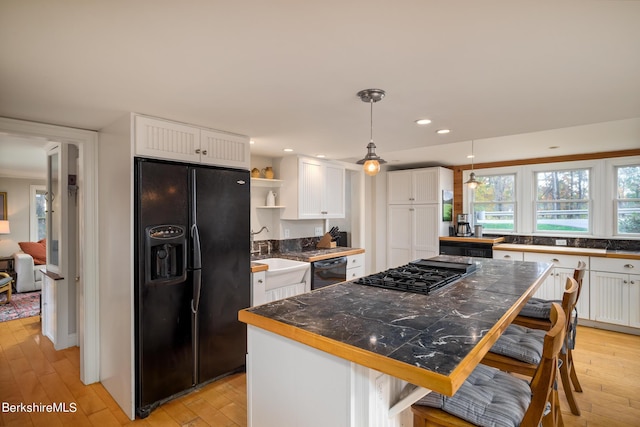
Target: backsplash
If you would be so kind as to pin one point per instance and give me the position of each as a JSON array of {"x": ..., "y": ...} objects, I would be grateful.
[
  {"x": 288, "y": 245},
  {"x": 577, "y": 242}
]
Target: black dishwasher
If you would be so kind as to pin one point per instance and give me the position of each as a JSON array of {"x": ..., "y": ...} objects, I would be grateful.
[{"x": 328, "y": 271}]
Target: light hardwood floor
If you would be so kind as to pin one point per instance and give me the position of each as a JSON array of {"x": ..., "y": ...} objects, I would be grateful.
[{"x": 31, "y": 371}]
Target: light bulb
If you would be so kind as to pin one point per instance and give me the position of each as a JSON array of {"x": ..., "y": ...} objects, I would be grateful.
[
  {"x": 371, "y": 167},
  {"x": 473, "y": 185}
]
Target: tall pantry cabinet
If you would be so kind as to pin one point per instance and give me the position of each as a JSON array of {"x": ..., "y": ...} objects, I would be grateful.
[{"x": 415, "y": 213}]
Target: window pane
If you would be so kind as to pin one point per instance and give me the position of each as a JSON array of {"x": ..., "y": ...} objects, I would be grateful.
[
  {"x": 493, "y": 202},
  {"x": 41, "y": 218},
  {"x": 562, "y": 216},
  {"x": 563, "y": 201},
  {"x": 628, "y": 205},
  {"x": 495, "y": 216}
]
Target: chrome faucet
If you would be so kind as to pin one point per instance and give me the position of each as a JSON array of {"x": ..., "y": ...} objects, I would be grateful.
[{"x": 253, "y": 234}]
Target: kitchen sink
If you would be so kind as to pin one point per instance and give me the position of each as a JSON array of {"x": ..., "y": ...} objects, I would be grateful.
[{"x": 284, "y": 272}]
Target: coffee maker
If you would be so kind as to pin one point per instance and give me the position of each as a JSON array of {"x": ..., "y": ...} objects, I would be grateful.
[{"x": 464, "y": 228}]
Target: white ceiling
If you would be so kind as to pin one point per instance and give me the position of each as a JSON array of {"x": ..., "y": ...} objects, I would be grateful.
[{"x": 286, "y": 72}]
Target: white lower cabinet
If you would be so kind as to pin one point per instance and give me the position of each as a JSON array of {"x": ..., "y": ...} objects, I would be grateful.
[
  {"x": 262, "y": 293},
  {"x": 508, "y": 255},
  {"x": 355, "y": 266},
  {"x": 59, "y": 312},
  {"x": 616, "y": 291},
  {"x": 554, "y": 286}
]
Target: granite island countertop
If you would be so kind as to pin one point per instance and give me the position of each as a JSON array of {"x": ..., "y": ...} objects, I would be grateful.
[{"x": 433, "y": 341}]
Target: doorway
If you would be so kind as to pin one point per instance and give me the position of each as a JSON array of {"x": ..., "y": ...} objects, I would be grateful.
[{"x": 87, "y": 143}]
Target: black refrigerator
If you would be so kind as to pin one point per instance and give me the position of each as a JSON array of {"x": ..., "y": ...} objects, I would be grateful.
[{"x": 192, "y": 274}]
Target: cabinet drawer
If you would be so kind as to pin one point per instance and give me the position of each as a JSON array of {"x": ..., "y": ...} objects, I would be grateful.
[
  {"x": 508, "y": 255},
  {"x": 355, "y": 272},
  {"x": 616, "y": 265},
  {"x": 355, "y": 261},
  {"x": 558, "y": 260}
]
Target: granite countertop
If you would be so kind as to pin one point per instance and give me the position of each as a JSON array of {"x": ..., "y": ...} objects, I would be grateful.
[
  {"x": 605, "y": 253},
  {"x": 305, "y": 256},
  {"x": 433, "y": 341}
]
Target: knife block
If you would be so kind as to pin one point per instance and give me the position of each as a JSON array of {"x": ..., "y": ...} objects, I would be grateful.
[{"x": 325, "y": 242}]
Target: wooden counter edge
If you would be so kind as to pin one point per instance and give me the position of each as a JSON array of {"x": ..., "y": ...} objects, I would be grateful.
[
  {"x": 493, "y": 240},
  {"x": 354, "y": 251},
  {"x": 601, "y": 253},
  {"x": 256, "y": 267},
  {"x": 447, "y": 385}
]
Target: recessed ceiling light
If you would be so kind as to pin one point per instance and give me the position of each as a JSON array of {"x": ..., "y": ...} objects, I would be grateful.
[
  {"x": 320, "y": 156},
  {"x": 443, "y": 131},
  {"x": 288, "y": 150},
  {"x": 423, "y": 122},
  {"x": 470, "y": 156},
  {"x": 252, "y": 141}
]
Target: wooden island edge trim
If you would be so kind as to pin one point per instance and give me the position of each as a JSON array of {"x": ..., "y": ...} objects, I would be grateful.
[{"x": 404, "y": 371}]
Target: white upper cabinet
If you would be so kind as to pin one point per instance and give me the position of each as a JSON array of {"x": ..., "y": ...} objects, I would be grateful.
[
  {"x": 176, "y": 141},
  {"x": 311, "y": 188},
  {"x": 415, "y": 186}
]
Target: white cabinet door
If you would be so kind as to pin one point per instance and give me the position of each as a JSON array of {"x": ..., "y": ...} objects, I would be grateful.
[
  {"x": 312, "y": 189},
  {"x": 176, "y": 141},
  {"x": 48, "y": 308},
  {"x": 224, "y": 149},
  {"x": 334, "y": 191},
  {"x": 634, "y": 300},
  {"x": 425, "y": 186},
  {"x": 413, "y": 186},
  {"x": 610, "y": 297},
  {"x": 399, "y": 187},
  {"x": 166, "y": 140},
  {"x": 258, "y": 288},
  {"x": 426, "y": 242},
  {"x": 399, "y": 240},
  {"x": 413, "y": 233}
]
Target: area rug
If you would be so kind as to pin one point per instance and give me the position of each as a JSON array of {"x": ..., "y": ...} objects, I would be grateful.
[{"x": 22, "y": 305}]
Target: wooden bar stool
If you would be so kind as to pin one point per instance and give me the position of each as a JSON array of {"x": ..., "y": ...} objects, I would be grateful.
[{"x": 5, "y": 285}]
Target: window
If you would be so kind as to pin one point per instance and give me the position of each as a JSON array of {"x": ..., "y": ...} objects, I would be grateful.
[
  {"x": 38, "y": 219},
  {"x": 628, "y": 199},
  {"x": 493, "y": 203},
  {"x": 562, "y": 201}
]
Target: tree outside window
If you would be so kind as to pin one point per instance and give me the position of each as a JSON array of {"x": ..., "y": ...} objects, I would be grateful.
[
  {"x": 562, "y": 201},
  {"x": 493, "y": 203},
  {"x": 628, "y": 199}
]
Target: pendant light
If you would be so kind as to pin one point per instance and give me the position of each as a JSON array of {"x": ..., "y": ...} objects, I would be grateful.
[
  {"x": 371, "y": 161},
  {"x": 472, "y": 182}
]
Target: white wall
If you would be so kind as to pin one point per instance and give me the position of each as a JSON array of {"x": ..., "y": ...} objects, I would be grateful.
[{"x": 18, "y": 205}]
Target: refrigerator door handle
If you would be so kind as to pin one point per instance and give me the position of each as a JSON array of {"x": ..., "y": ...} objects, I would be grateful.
[{"x": 197, "y": 265}]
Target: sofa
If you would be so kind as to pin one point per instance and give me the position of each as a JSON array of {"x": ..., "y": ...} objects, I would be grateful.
[{"x": 29, "y": 277}]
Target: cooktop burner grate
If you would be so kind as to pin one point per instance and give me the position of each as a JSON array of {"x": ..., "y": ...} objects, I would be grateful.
[{"x": 414, "y": 277}]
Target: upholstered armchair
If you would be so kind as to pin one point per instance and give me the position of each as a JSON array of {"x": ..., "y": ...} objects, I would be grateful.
[{"x": 29, "y": 277}]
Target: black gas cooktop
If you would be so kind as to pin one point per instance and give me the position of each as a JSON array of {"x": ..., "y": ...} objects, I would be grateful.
[{"x": 421, "y": 276}]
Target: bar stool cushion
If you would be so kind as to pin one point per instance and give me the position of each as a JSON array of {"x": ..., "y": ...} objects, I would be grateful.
[
  {"x": 520, "y": 343},
  {"x": 538, "y": 308},
  {"x": 488, "y": 397}
]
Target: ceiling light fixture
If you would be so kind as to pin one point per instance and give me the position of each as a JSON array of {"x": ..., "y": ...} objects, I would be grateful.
[
  {"x": 472, "y": 182},
  {"x": 288, "y": 150},
  {"x": 443, "y": 131},
  {"x": 423, "y": 122},
  {"x": 371, "y": 161}
]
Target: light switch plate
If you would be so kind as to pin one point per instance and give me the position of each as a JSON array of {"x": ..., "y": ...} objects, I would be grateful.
[
  {"x": 287, "y": 233},
  {"x": 318, "y": 232},
  {"x": 561, "y": 242}
]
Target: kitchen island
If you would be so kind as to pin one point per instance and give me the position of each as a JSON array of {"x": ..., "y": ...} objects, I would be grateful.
[{"x": 343, "y": 355}]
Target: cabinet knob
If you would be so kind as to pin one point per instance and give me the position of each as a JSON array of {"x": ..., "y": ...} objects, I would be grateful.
[
  {"x": 204, "y": 152},
  {"x": 555, "y": 260},
  {"x": 625, "y": 282},
  {"x": 323, "y": 212},
  {"x": 628, "y": 266},
  {"x": 411, "y": 198},
  {"x": 259, "y": 280},
  {"x": 507, "y": 256},
  {"x": 197, "y": 151}
]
